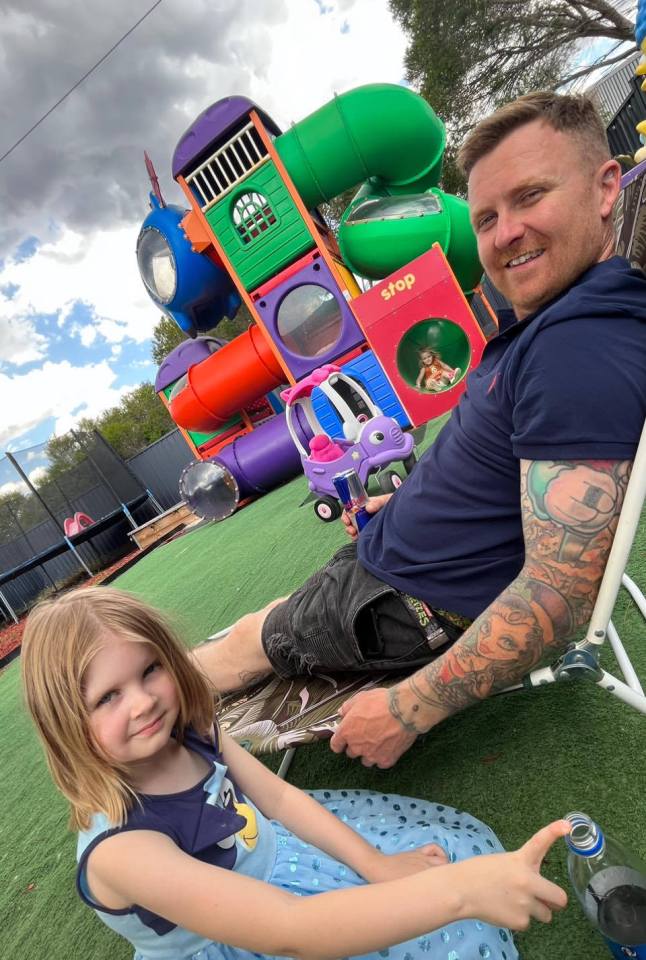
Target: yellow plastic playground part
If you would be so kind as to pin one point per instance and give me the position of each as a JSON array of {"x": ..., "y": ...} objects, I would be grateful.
[{"x": 640, "y": 71}]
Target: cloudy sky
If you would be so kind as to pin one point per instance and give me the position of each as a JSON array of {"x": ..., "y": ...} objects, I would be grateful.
[{"x": 75, "y": 321}]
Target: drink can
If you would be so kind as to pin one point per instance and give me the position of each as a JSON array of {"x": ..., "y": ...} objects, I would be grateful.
[{"x": 352, "y": 494}]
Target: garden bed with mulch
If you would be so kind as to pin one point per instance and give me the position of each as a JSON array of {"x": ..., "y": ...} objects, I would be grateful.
[{"x": 11, "y": 633}]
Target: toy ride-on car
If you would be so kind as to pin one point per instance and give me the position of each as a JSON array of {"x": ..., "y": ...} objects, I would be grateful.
[{"x": 370, "y": 441}]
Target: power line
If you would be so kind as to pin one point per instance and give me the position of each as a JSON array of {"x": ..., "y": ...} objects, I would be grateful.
[{"x": 79, "y": 82}]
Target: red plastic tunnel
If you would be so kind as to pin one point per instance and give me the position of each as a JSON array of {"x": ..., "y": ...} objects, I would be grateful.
[{"x": 218, "y": 387}]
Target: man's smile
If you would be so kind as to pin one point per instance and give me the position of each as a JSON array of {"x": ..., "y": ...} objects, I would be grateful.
[{"x": 522, "y": 258}]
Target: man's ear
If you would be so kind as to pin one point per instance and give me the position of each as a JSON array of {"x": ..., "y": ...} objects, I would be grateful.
[{"x": 609, "y": 180}]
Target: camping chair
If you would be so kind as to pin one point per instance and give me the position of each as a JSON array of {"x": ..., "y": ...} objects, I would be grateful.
[{"x": 279, "y": 715}]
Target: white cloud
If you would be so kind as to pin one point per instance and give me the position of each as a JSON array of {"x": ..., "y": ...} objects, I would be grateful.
[
  {"x": 32, "y": 455},
  {"x": 78, "y": 183},
  {"x": 11, "y": 487},
  {"x": 56, "y": 390},
  {"x": 98, "y": 270},
  {"x": 37, "y": 475},
  {"x": 307, "y": 59},
  {"x": 20, "y": 342}
]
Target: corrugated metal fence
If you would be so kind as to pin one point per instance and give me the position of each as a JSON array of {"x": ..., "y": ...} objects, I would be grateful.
[
  {"x": 159, "y": 467},
  {"x": 622, "y": 136}
]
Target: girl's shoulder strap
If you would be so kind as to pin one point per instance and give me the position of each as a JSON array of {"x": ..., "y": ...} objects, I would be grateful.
[{"x": 208, "y": 746}]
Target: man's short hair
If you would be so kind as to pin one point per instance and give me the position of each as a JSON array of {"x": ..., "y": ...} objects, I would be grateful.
[{"x": 575, "y": 114}]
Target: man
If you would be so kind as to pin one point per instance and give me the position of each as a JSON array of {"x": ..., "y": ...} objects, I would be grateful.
[{"x": 507, "y": 520}]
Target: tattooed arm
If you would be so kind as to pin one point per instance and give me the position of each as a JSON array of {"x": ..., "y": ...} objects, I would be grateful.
[{"x": 570, "y": 511}]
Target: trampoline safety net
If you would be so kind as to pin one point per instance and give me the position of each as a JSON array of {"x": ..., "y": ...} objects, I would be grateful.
[{"x": 76, "y": 477}]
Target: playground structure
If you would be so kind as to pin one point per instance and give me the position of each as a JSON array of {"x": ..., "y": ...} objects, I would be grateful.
[{"x": 255, "y": 235}]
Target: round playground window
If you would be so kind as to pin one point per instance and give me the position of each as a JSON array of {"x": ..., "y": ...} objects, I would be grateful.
[
  {"x": 433, "y": 355},
  {"x": 157, "y": 265},
  {"x": 309, "y": 320}
]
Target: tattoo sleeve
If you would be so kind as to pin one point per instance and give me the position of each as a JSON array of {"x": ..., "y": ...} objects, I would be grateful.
[{"x": 570, "y": 511}]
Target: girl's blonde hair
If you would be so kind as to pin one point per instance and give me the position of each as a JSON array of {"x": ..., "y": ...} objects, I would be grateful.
[{"x": 61, "y": 637}]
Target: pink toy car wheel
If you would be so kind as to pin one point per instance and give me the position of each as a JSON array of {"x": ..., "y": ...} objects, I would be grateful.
[{"x": 327, "y": 509}]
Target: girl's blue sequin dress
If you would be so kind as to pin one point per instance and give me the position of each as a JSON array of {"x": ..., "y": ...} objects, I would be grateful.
[{"x": 214, "y": 821}]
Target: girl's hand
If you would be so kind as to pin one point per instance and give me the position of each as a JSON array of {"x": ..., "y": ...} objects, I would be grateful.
[
  {"x": 396, "y": 865},
  {"x": 507, "y": 889},
  {"x": 373, "y": 505}
]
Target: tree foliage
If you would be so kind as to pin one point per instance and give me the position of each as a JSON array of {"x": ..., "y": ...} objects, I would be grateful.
[
  {"x": 230, "y": 327},
  {"x": 466, "y": 56},
  {"x": 140, "y": 419},
  {"x": 167, "y": 335}
]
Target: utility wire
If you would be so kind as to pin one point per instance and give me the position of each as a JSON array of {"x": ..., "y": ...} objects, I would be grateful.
[{"x": 79, "y": 82}]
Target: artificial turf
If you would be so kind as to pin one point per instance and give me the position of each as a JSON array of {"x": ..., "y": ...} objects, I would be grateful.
[{"x": 515, "y": 761}]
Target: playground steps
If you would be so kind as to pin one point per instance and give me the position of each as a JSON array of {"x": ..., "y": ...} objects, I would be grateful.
[{"x": 161, "y": 526}]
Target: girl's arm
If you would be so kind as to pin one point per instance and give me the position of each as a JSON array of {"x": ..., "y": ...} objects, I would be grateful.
[
  {"x": 301, "y": 814},
  {"x": 147, "y": 868}
]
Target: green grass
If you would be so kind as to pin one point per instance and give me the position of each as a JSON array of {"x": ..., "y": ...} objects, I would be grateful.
[{"x": 515, "y": 761}]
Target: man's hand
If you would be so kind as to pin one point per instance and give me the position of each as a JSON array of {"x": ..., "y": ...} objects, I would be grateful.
[
  {"x": 373, "y": 505},
  {"x": 369, "y": 730}
]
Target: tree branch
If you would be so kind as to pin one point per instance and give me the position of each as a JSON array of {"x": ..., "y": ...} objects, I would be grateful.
[
  {"x": 591, "y": 67},
  {"x": 605, "y": 9}
]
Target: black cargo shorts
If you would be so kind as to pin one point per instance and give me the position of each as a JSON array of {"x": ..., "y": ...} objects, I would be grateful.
[{"x": 344, "y": 619}]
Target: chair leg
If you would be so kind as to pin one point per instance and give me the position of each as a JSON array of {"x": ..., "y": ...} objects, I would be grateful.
[
  {"x": 635, "y": 593},
  {"x": 623, "y": 660},
  {"x": 286, "y": 763},
  {"x": 623, "y": 691}
]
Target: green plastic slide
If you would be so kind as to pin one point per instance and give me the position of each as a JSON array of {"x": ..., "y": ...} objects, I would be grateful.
[{"x": 388, "y": 139}]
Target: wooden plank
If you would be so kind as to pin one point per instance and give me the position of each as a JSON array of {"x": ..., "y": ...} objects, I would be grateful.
[{"x": 176, "y": 518}]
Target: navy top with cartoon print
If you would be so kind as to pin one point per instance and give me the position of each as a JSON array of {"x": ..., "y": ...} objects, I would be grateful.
[{"x": 211, "y": 821}]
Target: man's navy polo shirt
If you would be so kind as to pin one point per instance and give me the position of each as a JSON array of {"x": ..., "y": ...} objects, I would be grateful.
[{"x": 566, "y": 383}]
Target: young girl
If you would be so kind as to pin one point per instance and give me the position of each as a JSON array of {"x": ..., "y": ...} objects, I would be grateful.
[
  {"x": 191, "y": 848},
  {"x": 434, "y": 374}
]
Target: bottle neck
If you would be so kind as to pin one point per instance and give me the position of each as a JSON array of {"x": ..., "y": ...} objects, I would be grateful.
[{"x": 585, "y": 838}]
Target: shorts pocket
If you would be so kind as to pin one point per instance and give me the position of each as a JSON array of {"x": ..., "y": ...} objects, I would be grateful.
[{"x": 332, "y": 652}]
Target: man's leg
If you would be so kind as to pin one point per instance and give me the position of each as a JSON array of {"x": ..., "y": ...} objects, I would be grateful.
[
  {"x": 342, "y": 619},
  {"x": 237, "y": 660}
]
